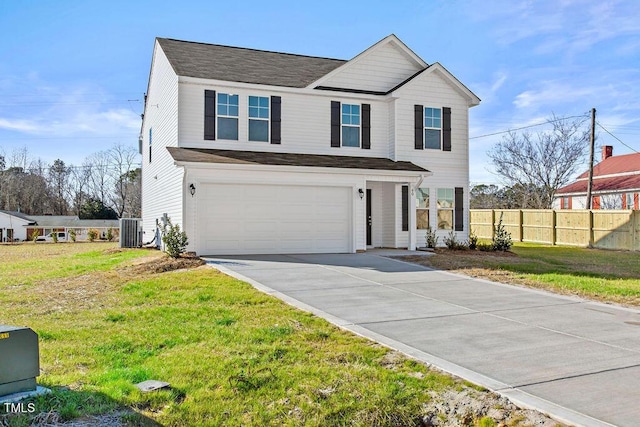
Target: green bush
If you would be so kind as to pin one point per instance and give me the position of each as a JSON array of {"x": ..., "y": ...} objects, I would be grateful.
[
  {"x": 485, "y": 247},
  {"x": 34, "y": 235},
  {"x": 174, "y": 239},
  {"x": 473, "y": 241},
  {"x": 110, "y": 234},
  {"x": 431, "y": 238},
  {"x": 54, "y": 237},
  {"x": 93, "y": 234},
  {"x": 452, "y": 242},
  {"x": 502, "y": 238},
  {"x": 73, "y": 235}
]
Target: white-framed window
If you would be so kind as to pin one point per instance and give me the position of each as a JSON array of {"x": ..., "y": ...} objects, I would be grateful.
[
  {"x": 630, "y": 203},
  {"x": 432, "y": 128},
  {"x": 350, "y": 125},
  {"x": 445, "y": 206},
  {"x": 422, "y": 208},
  {"x": 565, "y": 202},
  {"x": 227, "y": 116},
  {"x": 259, "y": 118}
]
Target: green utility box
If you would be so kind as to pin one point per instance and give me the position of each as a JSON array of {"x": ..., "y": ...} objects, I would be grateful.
[{"x": 19, "y": 359}]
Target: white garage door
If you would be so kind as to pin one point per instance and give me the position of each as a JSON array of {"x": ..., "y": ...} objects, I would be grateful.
[{"x": 272, "y": 219}]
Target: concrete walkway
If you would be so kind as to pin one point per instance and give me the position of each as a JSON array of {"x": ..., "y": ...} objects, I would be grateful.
[{"x": 578, "y": 361}]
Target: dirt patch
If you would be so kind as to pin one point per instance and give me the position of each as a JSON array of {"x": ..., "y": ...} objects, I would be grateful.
[
  {"x": 465, "y": 407},
  {"x": 163, "y": 263}
]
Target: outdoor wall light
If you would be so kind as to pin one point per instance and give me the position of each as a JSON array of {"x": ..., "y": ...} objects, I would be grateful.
[
  {"x": 192, "y": 189},
  {"x": 361, "y": 193}
]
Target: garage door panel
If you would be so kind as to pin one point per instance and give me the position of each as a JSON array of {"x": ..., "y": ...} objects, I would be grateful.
[{"x": 244, "y": 219}]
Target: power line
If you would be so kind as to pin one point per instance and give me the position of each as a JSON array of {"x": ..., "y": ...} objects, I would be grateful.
[
  {"x": 615, "y": 137},
  {"x": 527, "y": 127}
]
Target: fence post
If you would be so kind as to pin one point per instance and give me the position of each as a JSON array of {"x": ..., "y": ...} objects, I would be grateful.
[
  {"x": 521, "y": 227},
  {"x": 591, "y": 235},
  {"x": 493, "y": 224},
  {"x": 554, "y": 232}
]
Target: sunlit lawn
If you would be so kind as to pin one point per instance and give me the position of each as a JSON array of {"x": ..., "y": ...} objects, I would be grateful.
[
  {"x": 612, "y": 276},
  {"x": 232, "y": 355}
]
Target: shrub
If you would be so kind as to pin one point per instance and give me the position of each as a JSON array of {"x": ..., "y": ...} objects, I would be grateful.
[
  {"x": 431, "y": 238},
  {"x": 174, "y": 239},
  {"x": 473, "y": 241},
  {"x": 34, "y": 235},
  {"x": 452, "y": 242},
  {"x": 110, "y": 234},
  {"x": 93, "y": 234},
  {"x": 502, "y": 238},
  {"x": 485, "y": 247},
  {"x": 73, "y": 235},
  {"x": 54, "y": 237}
]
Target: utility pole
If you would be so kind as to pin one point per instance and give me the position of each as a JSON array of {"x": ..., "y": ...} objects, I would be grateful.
[{"x": 592, "y": 141}]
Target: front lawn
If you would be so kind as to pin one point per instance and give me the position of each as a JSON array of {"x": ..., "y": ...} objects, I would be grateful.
[
  {"x": 609, "y": 276},
  {"x": 107, "y": 319}
]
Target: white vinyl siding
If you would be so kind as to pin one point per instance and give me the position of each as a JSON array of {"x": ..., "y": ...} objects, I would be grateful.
[
  {"x": 378, "y": 70},
  {"x": 161, "y": 180}
]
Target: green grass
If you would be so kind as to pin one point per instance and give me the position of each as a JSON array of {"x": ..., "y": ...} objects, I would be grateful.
[
  {"x": 612, "y": 276},
  {"x": 232, "y": 355}
]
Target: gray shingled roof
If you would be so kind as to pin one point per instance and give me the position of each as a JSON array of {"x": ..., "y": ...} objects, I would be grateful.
[
  {"x": 236, "y": 64},
  {"x": 201, "y": 155}
]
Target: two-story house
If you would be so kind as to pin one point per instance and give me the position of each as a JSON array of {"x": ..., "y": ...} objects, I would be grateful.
[{"x": 256, "y": 152}]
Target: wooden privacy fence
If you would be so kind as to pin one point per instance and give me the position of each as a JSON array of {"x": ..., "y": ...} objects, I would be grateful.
[{"x": 603, "y": 229}]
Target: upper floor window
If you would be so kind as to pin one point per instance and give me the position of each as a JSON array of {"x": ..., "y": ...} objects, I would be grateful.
[
  {"x": 259, "y": 118},
  {"x": 350, "y": 125},
  {"x": 227, "y": 113},
  {"x": 432, "y": 127}
]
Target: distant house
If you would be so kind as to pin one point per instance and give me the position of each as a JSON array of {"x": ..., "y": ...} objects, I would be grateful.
[
  {"x": 13, "y": 226},
  {"x": 616, "y": 184},
  {"x": 16, "y": 226}
]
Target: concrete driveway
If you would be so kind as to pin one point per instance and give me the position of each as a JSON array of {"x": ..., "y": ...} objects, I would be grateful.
[{"x": 578, "y": 361}]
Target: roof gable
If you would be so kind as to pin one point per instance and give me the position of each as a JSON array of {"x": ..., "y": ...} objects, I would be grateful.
[
  {"x": 236, "y": 64},
  {"x": 441, "y": 72},
  {"x": 379, "y": 68}
]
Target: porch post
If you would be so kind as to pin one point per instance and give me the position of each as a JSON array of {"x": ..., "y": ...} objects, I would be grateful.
[{"x": 412, "y": 218}]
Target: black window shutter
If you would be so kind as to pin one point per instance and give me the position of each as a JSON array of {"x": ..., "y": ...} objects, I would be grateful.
[
  {"x": 405, "y": 208},
  {"x": 366, "y": 126},
  {"x": 335, "y": 124},
  {"x": 276, "y": 116},
  {"x": 459, "y": 209},
  {"x": 418, "y": 112},
  {"x": 210, "y": 114},
  {"x": 446, "y": 129}
]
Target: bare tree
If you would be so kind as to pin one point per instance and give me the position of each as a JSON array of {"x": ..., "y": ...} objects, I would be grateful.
[
  {"x": 100, "y": 182},
  {"x": 79, "y": 185},
  {"x": 545, "y": 160},
  {"x": 122, "y": 161},
  {"x": 58, "y": 179}
]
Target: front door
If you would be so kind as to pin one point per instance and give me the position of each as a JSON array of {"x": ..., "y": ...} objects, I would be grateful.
[{"x": 369, "y": 231}]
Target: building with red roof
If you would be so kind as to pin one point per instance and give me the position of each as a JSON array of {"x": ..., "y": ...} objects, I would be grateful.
[{"x": 616, "y": 184}]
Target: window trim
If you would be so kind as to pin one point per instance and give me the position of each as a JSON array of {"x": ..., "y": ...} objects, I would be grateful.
[
  {"x": 343, "y": 125},
  {"x": 227, "y": 116},
  {"x": 425, "y": 128},
  {"x": 268, "y": 119},
  {"x": 450, "y": 209},
  {"x": 426, "y": 208}
]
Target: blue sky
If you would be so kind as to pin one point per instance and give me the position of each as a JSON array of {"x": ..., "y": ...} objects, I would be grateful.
[{"x": 73, "y": 73}]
